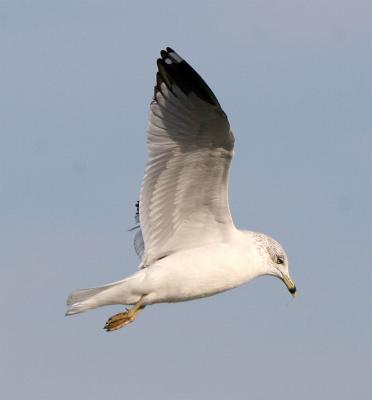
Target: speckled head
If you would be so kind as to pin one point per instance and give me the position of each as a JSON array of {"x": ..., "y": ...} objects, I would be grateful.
[{"x": 277, "y": 260}]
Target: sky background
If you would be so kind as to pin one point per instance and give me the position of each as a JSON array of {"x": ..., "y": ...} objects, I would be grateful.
[{"x": 76, "y": 78}]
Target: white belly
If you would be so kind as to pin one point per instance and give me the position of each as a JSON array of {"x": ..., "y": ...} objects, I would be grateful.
[{"x": 197, "y": 273}]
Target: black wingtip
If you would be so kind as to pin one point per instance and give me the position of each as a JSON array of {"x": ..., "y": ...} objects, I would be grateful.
[{"x": 174, "y": 70}]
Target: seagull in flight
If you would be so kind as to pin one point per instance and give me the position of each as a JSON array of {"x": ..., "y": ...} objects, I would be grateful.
[{"x": 188, "y": 245}]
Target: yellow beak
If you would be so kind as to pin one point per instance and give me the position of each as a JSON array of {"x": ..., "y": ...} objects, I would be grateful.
[{"x": 290, "y": 285}]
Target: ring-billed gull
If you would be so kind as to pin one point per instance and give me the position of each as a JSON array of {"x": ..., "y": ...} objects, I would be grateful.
[{"x": 186, "y": 240}]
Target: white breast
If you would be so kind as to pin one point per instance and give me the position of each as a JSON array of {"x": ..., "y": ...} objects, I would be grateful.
[{"x": 201, "y": 272}]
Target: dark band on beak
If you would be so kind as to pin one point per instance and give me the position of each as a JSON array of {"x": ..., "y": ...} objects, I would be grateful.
[{"x": 292, "y": 290}]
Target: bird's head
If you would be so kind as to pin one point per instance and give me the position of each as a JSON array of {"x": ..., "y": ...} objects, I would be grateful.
[{"x": 276, "y": 262}]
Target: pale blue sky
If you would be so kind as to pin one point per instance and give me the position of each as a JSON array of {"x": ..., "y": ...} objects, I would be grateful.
[{"x": 76, "y": 78}]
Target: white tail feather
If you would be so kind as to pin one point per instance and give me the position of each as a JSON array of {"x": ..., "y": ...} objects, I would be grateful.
[
  {"x": 85, "y": 299},
  {"x": 81, "y": 300}
]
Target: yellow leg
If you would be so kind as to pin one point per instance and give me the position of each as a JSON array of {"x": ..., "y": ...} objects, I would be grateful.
[{"x": 117, "y": 321}]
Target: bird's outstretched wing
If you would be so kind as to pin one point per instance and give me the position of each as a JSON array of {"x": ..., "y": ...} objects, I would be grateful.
[{"x": 184, "y": 192}]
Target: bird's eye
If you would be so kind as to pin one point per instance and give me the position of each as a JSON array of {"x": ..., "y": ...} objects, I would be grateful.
[{"x": 280, "y": 260}]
